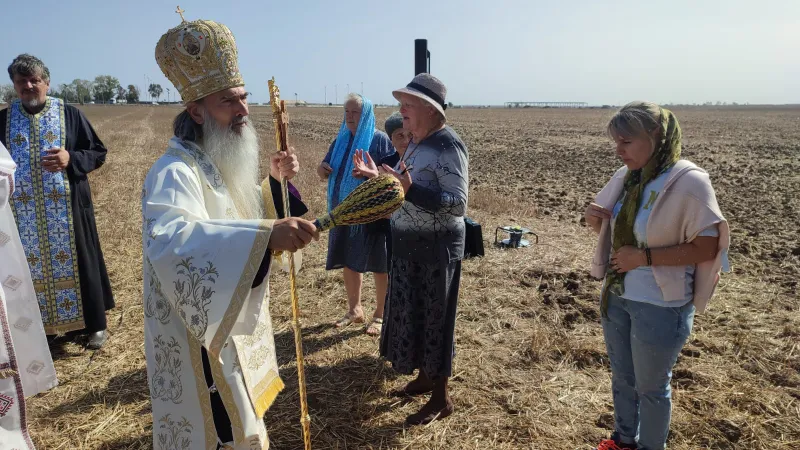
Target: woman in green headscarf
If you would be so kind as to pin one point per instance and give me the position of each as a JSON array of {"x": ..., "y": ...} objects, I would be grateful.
[{"x": 662, "y": 244}]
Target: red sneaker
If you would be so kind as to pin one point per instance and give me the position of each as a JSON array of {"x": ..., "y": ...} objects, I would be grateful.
[
  {"x": 607, "y": 444},
  {"x": 610, "y": 444}
]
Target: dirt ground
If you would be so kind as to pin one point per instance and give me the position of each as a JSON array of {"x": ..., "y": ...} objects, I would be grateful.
[{"x": 531, "y": 369}]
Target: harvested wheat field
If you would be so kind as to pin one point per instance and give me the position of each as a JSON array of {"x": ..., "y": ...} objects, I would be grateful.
[{"x": 531, "y": 369}]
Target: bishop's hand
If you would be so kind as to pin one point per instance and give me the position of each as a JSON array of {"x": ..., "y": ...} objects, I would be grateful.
[
  {"x": 292, "y": 234},
  {"x": 284, "y": 164}
]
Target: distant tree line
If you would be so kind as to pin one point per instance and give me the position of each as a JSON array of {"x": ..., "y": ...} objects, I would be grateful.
[{"x": 103, "y": 89}]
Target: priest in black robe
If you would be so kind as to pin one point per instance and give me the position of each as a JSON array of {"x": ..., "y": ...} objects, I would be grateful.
[{"x": 55, "y": 149}]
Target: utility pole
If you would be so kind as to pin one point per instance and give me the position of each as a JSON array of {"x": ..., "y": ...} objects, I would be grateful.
[
  {"x": 422, "y": 57},
  {"x": 336, "y": 88},
  {"x": 326, "y": 94}
]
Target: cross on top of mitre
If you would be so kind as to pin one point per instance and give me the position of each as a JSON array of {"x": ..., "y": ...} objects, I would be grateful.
[{"x": 180, "y": 11}]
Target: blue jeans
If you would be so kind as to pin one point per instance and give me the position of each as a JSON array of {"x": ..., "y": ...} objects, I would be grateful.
[{"x": 643, "y": 342}]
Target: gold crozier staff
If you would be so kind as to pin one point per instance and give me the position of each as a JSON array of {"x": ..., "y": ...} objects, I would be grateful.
[{"x": 281, "y": 121}]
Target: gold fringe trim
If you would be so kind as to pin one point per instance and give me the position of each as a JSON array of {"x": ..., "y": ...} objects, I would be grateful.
[
  {"x": 195, "y": 354},
  {"x": 266, "y": 399},
  {"x": 266, "y": 198},
  {"x": 8, "y": 373},
  {"x": 64, "y": 328}
]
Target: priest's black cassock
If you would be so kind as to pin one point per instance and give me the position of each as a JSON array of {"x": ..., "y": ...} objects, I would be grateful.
[{"x": 86, "y": 153}]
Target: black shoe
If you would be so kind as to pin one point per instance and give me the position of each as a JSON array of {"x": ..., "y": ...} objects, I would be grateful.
[{"x": 97, "y": 339}]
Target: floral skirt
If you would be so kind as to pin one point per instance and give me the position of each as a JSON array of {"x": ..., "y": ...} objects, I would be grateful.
[{"x": 420, "y": 317}]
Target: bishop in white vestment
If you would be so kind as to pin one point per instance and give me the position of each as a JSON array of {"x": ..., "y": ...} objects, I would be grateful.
[
  {"x": 210, "y": 234},
  {"x": 26, "y": 367}
]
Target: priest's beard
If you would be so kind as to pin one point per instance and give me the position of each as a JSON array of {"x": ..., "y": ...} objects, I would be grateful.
[
  {"x": 236, "y": 156},
  {"x": 31, "y": 104}
]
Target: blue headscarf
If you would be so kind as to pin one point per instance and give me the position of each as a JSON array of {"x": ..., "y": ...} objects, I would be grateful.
[{"x": 361, "y": 141}]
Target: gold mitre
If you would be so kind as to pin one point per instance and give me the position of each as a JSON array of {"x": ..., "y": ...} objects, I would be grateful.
[{"x": 199, "y": 58}]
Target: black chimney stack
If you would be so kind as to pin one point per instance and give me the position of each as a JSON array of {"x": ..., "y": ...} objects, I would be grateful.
[{"x": 422, "y": 57}]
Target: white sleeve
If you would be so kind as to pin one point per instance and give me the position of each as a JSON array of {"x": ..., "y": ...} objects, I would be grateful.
[
  {"x": 7, "y": 169},
  {"x": 205, "y": 266}
]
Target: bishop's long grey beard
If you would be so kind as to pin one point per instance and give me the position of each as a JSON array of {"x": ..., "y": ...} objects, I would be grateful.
[{"x": 236, "y": 156}]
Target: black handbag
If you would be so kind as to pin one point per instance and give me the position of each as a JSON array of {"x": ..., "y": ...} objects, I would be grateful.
[{"x": 473, "y": 245}]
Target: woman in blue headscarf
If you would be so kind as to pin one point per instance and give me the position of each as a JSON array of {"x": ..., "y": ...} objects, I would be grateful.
[{"x": 355, "y": 249}]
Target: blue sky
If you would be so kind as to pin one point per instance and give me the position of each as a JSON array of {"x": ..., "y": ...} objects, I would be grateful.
[{"x": 488, "y": 52}]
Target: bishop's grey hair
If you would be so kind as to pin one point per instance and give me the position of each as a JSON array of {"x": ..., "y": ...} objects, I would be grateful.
[{"x": 186, "y": 128}]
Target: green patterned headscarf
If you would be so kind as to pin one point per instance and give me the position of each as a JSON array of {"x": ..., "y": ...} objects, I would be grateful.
[{"x": 666, "y": 155}]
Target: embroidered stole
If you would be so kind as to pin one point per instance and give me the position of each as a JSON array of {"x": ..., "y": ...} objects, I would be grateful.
[{"x": 42, "y": 208}]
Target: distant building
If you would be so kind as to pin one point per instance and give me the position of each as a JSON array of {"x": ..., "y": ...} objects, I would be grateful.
[{"x": 546, "y": 105}]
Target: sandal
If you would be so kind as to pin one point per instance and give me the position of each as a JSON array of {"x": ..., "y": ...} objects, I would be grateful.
[
  {"x": 347, "y": 320},
  {"x": 427, "y": 415},
  {"x": 375, "y": 327},
  {"x": 405, "y": 392}
]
